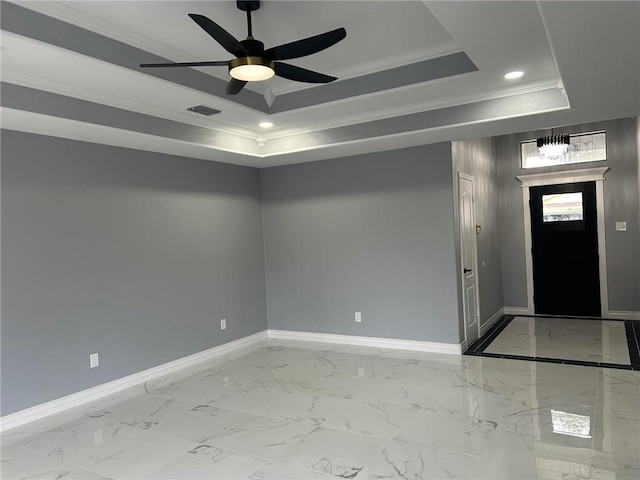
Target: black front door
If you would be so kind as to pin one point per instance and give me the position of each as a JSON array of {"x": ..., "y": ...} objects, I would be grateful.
[{"x": 566, "y": 279}]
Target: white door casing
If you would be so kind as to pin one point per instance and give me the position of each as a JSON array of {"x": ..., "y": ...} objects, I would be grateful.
[
  {"x": 557, "y": 178},
  {"x": 468, "y": 258}
]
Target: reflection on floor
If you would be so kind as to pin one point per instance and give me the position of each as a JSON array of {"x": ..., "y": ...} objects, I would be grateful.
[
  {"x": 600, "y": 343},
  {"x": 308, "y": 411}
]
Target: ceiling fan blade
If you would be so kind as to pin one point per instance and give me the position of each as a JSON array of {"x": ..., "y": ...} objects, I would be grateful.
[
  {"x": 220, "y": 35},
  {"x": 306, "y": 46},
  {"x": 300, "y": 74},
  {"x": 186, "y": 64},
  {"x": 234, "y": 86}
]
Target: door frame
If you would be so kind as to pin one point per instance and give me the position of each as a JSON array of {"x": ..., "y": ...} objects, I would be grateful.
[
  {"x": 559, "y": 178},
  {"x": 462, "y": 175}
]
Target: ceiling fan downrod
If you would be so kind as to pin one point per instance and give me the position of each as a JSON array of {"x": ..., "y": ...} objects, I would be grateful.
[{"x": 248, "y": 6}]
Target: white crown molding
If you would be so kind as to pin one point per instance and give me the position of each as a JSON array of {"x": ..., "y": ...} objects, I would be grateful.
[
  {"x": 80, "y": 398},
  {"x": 420, "y": 346},
  {"x": 410, "y": 108}
]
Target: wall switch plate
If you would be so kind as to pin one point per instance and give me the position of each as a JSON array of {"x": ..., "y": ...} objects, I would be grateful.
[
  {"x": 358, "y": 317},
  {"x": 223, "y": 324},
  {"x": 94, "y": 360},
  {"x": 621, "y": 226}
]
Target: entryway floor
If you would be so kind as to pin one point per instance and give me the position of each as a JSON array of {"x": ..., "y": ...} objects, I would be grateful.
[{"x": 594, "y": 342}]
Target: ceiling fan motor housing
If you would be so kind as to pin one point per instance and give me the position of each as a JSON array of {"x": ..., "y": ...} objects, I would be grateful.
[{"x": 254, "y": 47}]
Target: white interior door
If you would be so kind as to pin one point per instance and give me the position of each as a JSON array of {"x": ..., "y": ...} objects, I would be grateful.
[{"x": 468, "y": 257}]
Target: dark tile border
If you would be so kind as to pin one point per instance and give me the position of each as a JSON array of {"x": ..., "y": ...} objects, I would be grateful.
[
  {"x": 632, "y": 330},
  {"x": 480, "y": 344}
]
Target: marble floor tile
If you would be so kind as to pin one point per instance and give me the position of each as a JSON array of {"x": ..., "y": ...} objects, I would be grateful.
[
  {"x": 336, "y": 453},
  {"x": 254, "y": 398},
  {"x": 544, "y": 470},
  {"x": 291, "y": 379},
  {"x": 79, "y": 439},
  {"x": 331, "y": 362},
  {"x": 559, "y": 437},
  {"x": 200, "y": 388},
  {"x": 401, "y": 460},
  {"x": 137, "y": 456},
  {"x": 471, "y": 401},
  {"x": 261, "y": 436},
  {"x": 616, "y": 445},
  {"x": 207, "y": 462},
  {"x": 376, "y": 419},
  {"x": 202, "y": 422},
  {"x": 240, "y": 372},
  {"x": 457, "y": 433},
  {"x": 275, "y": 357},
  {"x": 149, "y": 412},
  {"x": 342, "y": 385},
  {"x": 294, "y": 410},
  {"x": 95, "y": 409},
  {"x": 282, "y": 471},
  {"x": 619, "y": 393},
  {"x": 564, "y": 338},
  {"x": 21, "y": 464}
]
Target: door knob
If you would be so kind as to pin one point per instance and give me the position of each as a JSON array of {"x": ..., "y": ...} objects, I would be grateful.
[{"x": 467, "y": 270}]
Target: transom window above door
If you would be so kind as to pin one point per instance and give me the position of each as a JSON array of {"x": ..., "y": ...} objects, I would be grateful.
[{"x": 583, "y": 147}]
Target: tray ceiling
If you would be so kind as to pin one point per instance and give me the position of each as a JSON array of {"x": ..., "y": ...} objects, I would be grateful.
[{"x": 410, "y": 72}]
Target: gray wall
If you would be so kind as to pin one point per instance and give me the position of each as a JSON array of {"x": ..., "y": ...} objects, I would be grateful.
[
  {"x": 620, "y": 204},
  {"x": 371, "y": 233},
  {"x": 478, "y": 158},
  {"x": 131, "y": 254}
]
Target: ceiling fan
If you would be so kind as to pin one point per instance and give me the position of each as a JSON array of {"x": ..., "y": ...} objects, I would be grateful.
[{"x": 253, "y": 62}]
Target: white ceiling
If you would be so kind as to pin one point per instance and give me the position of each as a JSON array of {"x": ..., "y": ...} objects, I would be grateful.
[{"x": 581, "y": 63}]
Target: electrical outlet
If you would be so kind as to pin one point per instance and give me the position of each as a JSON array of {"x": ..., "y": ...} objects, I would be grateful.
[
  {"x": 358, "y": 317},
  {"x": 223, "y": 324},
  {"x": 94, "y": 360}
]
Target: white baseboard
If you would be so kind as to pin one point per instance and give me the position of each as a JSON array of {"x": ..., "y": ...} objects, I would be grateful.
[
  {"x": 43, "y": 410},
  {"x": 94, "y": 393},
  {"x": 492, "y": 319},
  {"x": 433, "y": 347},
  {"x": 624, "y": 315},
  {"x": 516, "y": 311}
]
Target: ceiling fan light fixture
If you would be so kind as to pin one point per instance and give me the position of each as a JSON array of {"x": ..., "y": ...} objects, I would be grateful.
[{"x": 251, "y": 69}]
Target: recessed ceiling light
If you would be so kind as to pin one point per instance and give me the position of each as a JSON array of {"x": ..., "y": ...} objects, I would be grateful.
[
  {"x": 265, "y": 124},
  {"x": 513, "y": 75}
]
